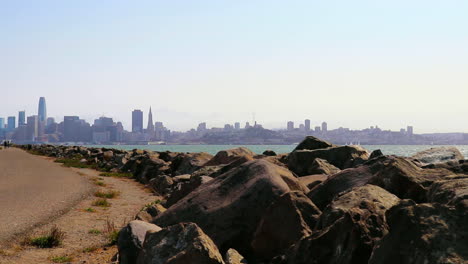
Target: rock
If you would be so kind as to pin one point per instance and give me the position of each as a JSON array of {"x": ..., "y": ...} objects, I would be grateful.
[
  {"x": 144, "y": 216},
  {"x": 179, "y": 244},
  {"x": 149, "y": 167},
  {"x": 108, "y": 155},
  {"x": 269, "y": 153},
  {"x": 229, "y": 207},
  {"x": 300, "y": 161},
  {"x": 312, "y": 143},
  {"x": 348, "y": 228},
  {"x": 233, "y": 257},
  {"x": 228, "y": 156},
  {"x": 312, "y": 180},
  {"x": 285, "y": 222},
  {"x": 397, "y": 175},
  {"x": 189, "y": 163},
  {"x": 439, "y": 155},
  {"x": 131, "y": 239},
  {"x": 236, "y": 163},
  {"x": 182, "y": 178},
  {"x": 161, "y": 184},
  {"x": 423, "y": 233},
  {"x": 375, "y": 154},
  {"x": 183, "y": 189},
  {"x": 149, "y": 212},
  {"x": 167, "y": 156},
  {"x": 450, "y": 191},
  {"x": 382, "y": 199},
  {"x": 320, "y": 166}
]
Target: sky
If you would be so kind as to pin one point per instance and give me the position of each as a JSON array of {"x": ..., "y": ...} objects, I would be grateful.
[{"x": 353, "y": 64}]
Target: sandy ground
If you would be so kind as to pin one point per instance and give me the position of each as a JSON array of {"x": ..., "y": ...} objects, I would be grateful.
[{"x": 81, "y": 245}]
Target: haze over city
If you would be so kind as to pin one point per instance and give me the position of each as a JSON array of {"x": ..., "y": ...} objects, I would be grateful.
[{"x": 353, "y": 64}]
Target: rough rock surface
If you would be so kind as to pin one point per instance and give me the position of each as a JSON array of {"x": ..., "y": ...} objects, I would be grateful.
[
  {"x": 228, "y": 156},
  {"x": 233, "y": 257},
  {"x": 189, "y": 163},
  {"x": 312, "y": 180},
  {"x": 320, "y": 166},
  {"x": 286, "y": 221},
  {"x": 183, "y": 189},
  {"x": 348, "y": 229},
  {"x": 269, "y": 153},
  {"x": 439, "y": 155},
  {"x": 131, "y": 239},
  {"x": 230, "y": 207},
  {"x": 424, "y": 233},
  {"x": 311, "y": 143},
  {"x": 343, "y": 157},
  {"x": 179, "y": 244},
  {"x": 375, "y": 154},
  {"x": 450, "y": 191}
]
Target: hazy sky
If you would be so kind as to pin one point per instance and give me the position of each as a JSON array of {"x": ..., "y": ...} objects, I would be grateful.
[{"x": 350, "y": 63}]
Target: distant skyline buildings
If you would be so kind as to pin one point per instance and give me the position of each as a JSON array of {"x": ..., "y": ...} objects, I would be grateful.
[
  {"x": 42, "y": 110},
  {"x": 21, "y": 118},
  {"x": 137, "y": 121}
]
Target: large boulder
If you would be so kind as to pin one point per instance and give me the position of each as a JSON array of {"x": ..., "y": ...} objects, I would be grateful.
[
  {"x": 320, "y": 166},
  {"x": 233, "y": 257},
  {"x": 424, "y": 233},
  {"x": 439, "y": 155},
  {"x": 312, "y": 180},
  {"x": 292, "y": 217},
  {"x": 348, "y": 229},
  {"x": 131, "y": 239},
  {"x": 188, "y": 163},
  {"x": 228, "y": 156},
  {"x": 230, "y": 207},
  {"x": 400, "y": 176},
  {"x": 150, "y": 166},
  {"x": 179, "y": 244},
  {"x": 300, "y": 161},
  {"x": 450, "y": 191},
  {"x": 183, "y": 189},
  {"x": 311, "y": 143}
]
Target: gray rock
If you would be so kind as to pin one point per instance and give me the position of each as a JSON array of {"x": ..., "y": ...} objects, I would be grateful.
[
  {"x": 131, "y": 239},
  {"x": 439, "y": 155}
]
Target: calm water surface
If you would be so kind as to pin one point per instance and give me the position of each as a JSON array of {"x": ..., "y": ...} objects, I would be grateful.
[{"x": 401, "y": 150}]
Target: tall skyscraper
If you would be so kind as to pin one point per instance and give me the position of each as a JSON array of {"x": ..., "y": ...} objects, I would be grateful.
[
  {"x": 50, "y": 121},
  {"x": 70, "y": 128},
  {"x": 409, "y": 130},
  {"x": 150, "y": 127},
  {"x": 324, "y": 127},
  {"x": 2, "y": 123},
  {"x": 290, "y": 125},
  {"x": 307, "y": 125},
  {"x": 42, "y": 113},
  {"x": 137, "y": 121},
  {"x": 237, "y": 125},
  {"x": 11, "y": 123},
  {"x": 21, "y": 118}
]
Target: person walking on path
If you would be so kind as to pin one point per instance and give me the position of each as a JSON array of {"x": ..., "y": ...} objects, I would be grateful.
[{"x": 5, "y": 144}]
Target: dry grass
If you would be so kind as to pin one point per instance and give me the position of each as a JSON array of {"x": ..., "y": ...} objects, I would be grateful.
[
  {"x": 61, "y": 259},
  {"x": 112, "y": 232},
  {"x": 108, "y": 194},
  {"x": 101, "y": 202}
]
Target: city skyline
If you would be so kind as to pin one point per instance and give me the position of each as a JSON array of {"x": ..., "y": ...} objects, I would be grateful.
[{"x": 352, "y": 64}]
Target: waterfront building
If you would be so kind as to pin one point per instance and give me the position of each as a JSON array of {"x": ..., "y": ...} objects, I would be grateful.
[
  {"x": 290, "y": 125},
  {"x": 137, "y": 121},
  {"x": 301, "y": 127},
  {"x": 409, "y": 130},
  {"x": 237, "y": 125},
  {"x": 70, "y": 128},
  {"x": 247, "y": 125},
  {"x": 324, "y": 127},
  {"x": 2, "y": 123},
  {"x": 42, "y": 113},
  {"x": 317, "y": 129},
  {"x": 307, "y": 125},
  {"x": 21, "y": 118},
  {"x": 201, "y": 127},
  {"x": 11, "y": 123},
  {"x": 50, "y": 121}
]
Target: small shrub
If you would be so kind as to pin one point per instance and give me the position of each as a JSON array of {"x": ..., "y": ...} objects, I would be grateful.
[
  {"x": 90, "y": 249},
  {"x": 109, "y": 194},
  {"x": 101, "y": 202},
  {"x": 112, "y": 232},
  {"x": 61, "y": 259},
  {"x": 90, "y": 210},
  {"x": 146, "y": 206},
  {"x": 52, "y": 239},
  {"x": 117, "y": 174},
  {"x": 100, "y": 183},
  {"x": 94, "y": 231},
  {"x": 76, "y": 163}
]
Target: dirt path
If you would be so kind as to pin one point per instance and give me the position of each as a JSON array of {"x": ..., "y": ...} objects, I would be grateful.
[
  {"x": 86, "y": 226},
  {"x": 34, "y": 190}
]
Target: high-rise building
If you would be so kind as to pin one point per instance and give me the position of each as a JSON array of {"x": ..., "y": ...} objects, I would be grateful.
[
  {"x": 11, "y": 123},
  {"x": 150, "y": 127},
  {"x": 409, "y": 130},
  {"x": 2, "y": 123},
  {"x": 290, "y": 125},
  {"x": 324, "y": 127},
  {"x": 247, "y": 125},
  {"x": 137, "y": 121},
  {"x": 201, "y": 127},
  {"x": 50, "y": 121},
  {"x": 237, "y": 125},
  {"x": 42, "y": 113},
  {"x": 317, "y": 129},
  {"x": 32, "y": 131},
  {"x": 70, "y": 128},
  {"x": 307, "y": 125},
  {"x": 21, "y": 118}
]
